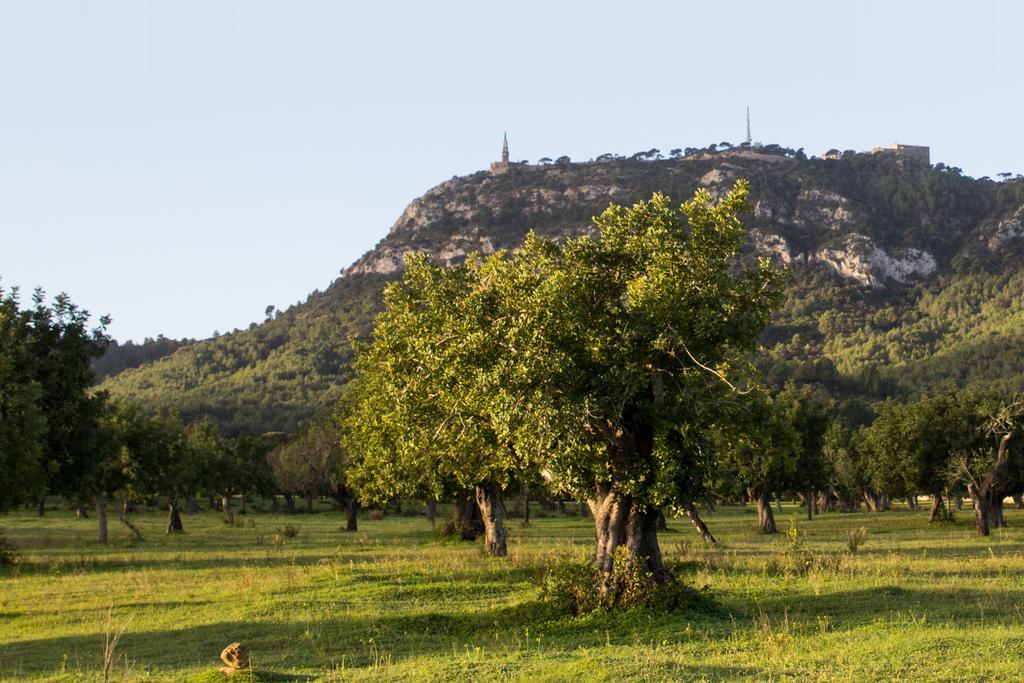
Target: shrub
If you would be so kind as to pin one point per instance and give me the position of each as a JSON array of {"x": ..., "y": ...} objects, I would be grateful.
[
  {"x": 578, "y": 587},
  {"x": 288, "y": 530},
  {"x": 798, "y": 559},
  {"x": 8, "y": 551},
  {"x": 856, "y": 538}
]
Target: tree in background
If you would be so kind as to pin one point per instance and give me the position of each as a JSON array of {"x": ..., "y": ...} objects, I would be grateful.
[
  {"x": 23, "y": 426},
  {"x": 439, "y": 394},
  {"x": 61, "y": 347},
  {"x": 313, "y": 463},
  {"x": 984, "y": 468},
  {"x": 761, "y": 450},
  {"x": 846, "y": 475},
  {"x": 810, "y": 418},
  {"x": 221, "y": 472},
  {"x": 911, "y": 444}
]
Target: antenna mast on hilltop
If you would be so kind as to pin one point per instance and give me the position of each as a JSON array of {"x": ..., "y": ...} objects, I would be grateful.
[{"x": 749, "y": 141}]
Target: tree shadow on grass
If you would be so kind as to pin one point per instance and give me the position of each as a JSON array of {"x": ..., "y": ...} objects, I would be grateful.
[
  {"x": 334, "y": 639},
  {"x": 853, "y": 608}
]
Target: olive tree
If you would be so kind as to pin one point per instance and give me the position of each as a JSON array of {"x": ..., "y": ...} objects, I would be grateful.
[{"x": 603, "y": 361}]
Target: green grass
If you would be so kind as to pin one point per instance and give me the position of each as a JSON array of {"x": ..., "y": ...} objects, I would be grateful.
[{"x": 396, "y": 602}]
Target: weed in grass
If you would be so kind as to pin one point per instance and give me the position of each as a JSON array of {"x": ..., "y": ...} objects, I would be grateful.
[
  {"x": 856, "y": 538},
  {"x": 110, "y": 636}
]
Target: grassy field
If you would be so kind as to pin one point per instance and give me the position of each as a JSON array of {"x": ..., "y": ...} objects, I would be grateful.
[{"x": 395, "y": 601}]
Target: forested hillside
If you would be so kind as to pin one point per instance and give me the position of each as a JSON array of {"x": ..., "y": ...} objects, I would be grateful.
[
  {"x": 120, "y": 357},
  {"x": 902, "y": 277}
]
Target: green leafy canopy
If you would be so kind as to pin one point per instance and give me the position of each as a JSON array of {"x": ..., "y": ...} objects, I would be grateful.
[{"x": 600, "y": 359}]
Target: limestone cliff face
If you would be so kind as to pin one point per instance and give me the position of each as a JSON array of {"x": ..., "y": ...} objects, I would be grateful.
[{"x": 806, "y": 213}]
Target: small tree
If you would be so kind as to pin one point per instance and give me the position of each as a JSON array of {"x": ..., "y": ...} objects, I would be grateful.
[
  {"x": 761, "y": 450},
  {"x": 983, "y": 468},
  {"x": 810, "y": 418}
]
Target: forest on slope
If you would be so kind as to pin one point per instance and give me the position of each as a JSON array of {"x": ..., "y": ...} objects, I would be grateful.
[{"x": 903, "y": 277}]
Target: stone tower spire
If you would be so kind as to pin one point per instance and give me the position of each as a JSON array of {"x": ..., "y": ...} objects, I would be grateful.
[{"x": 502, "y": 166}]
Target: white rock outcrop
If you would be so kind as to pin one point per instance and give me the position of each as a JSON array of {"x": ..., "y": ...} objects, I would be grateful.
[
  {"x": 860, "y": 259},
  {"x": 1007, "y": 229}
]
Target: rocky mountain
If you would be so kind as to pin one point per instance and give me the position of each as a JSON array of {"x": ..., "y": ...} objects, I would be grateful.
[{"x": 888, "y": 256}]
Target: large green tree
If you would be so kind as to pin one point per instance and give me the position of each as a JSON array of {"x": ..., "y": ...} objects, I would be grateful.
[
  {"x": 603, "y": 361},
  {"x": 652, "y": 318}
]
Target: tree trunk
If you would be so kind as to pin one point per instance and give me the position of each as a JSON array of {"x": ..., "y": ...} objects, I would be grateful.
[
  {"x": 213, "y": 504},
  {"x": 398, "y": 506},
  {"x": 561, "y": 506},
  {"x": 982, "y": 506},
  {"x": 289, "y": 503},
  {"x": 275, "y": 504},
  {"x": 432, "y": 511},
  {"x": 488, "y": 499},
  {"x": 352, "y": 515},
  {"x": 174, "y": 525},
  {"x": 988, "y": 505},
  {"x": 41, "y": 507},
  {"x": 584, "y": 509},
  {"x": 765, "y": 518},
  {"x": 702, "y": 529},
  {"x": 191, "y": 505},
  {"x": 938, "y": 509},
  {"x": 996, "y": 519},
  {"x": 958, "y": 501},
  {"x": 621, "y": 521},
  {"x": 466, "y": 512},
  {"x": 241, "y": 505},
  {"x": 122, "y": 516},
  {"x": 225, "y": 503},
  {"x": 778, "y": 503},
  {"x": 101, "y": 516},
  {"x": 1018, "y": 501},
  {"x": 81, "y": 512},
  {"x": 526, "y": 505},
  {"x": 810, "y": 505},
  {"x": 662, "y": 521},
  {"x": 309, "y": 502},
  {"x": 872, "y": 500}
]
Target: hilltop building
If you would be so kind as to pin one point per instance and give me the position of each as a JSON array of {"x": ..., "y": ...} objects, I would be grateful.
[
  {"x": 503, "y": 165},
  {"x": 919, "y": 152}
]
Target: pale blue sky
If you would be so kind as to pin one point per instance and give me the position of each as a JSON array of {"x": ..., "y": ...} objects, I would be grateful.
[{"x": 181, "y": 165}]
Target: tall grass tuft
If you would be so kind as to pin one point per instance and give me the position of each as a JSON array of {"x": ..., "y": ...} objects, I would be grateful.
[
  {"x": 110, "y": 636},
  {"x": 856, "y": 538}
]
